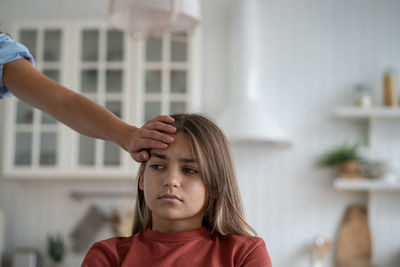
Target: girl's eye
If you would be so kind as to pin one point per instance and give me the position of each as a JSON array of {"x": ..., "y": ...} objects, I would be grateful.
[
  {"x": 190, "y": 170},
  {"x": 156, "y": 166}
]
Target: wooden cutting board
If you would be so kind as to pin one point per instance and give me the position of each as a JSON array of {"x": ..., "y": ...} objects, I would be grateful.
[{"x": 354, "y": 247}]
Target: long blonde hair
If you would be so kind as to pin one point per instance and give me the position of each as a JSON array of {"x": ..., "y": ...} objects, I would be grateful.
[{"x": 223, "y": 211}]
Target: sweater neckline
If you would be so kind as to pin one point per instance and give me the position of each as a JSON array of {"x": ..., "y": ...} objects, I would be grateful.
[{"x": 176, "y": 236}]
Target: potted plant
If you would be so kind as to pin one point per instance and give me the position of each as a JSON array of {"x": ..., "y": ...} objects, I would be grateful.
[
  {"x": 56, "y": 250},
  {"x": 347, "y": 159}
]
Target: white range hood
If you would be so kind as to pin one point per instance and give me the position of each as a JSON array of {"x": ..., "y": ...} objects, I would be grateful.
[{"x": 246, "y": 119}]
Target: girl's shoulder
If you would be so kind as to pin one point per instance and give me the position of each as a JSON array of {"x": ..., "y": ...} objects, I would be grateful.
[
  {"x": 242, "y": 239},
  {"x": 246, "y": 250}
]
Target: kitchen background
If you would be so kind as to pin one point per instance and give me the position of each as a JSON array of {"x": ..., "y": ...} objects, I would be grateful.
[{"x": 313, "y": 55}]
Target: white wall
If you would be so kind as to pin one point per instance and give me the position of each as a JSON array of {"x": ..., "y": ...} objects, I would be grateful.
[{"x": 315, "y": 53}]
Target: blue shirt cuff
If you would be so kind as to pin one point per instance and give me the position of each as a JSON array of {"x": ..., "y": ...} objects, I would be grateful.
[{"x": 10, "y": 51}]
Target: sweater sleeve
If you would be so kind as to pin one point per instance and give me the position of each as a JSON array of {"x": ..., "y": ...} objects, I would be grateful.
[
  {"x": 257, "y": 254},
  {"x": 100, "y": 255}
]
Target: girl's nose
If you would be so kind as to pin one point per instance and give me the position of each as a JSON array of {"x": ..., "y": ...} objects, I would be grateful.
[{"x": 172, "y": 179}]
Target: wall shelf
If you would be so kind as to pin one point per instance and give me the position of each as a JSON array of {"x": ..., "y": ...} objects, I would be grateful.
[
  {"x": 374, "y": 116},
  {"x": 365, "y": 185},
  {"x": 371, "y": 112}
]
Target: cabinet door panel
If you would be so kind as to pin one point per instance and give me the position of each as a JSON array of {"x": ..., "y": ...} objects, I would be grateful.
[
  {"x": 29, "y": 38},
  {"x": 24, "y": 113},
  {"x": 178, "y": 107},
  {"x": 52, "y": 45},
  {"x": 152, "y": 109},
  {"x": 154, "y": 50},
  {"x": 166, "y": 87},
  {"x": 115, "y": 107},
  {"x": 179, "y": 47},
  {"x": 153, "y": 81},
  {"x": 115, "y": 48},
  {"x": 89, "y": 81},
  {"x": 112, "y": 154},
  {"x": 90, "y": 45},
  {"x": 114, "y": 81},
  {"x": 178, "y": 81},
  {"x": 35, "y": 133},
  {"x": 48, "y": 149},
  {"x": 23, "y": 149},
  {"x": 87, "y": 150}
]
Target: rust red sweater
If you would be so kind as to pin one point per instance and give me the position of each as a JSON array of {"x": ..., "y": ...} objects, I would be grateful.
[{"x": 191, "y": 248}]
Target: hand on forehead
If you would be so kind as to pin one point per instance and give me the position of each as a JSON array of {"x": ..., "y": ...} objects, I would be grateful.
[{"x": 180, "y": 149}]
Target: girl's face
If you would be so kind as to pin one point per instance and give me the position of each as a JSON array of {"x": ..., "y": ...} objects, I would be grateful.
[{"x": 173, "y": 188}]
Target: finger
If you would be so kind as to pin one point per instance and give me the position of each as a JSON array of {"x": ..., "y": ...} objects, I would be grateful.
[
  {"x": 140, "y": 156},
  {"x": 144, "y": 155},
  {"x": 150, "y": 143},
  {"x": 136, "y": 157},
  {"x": 162, "y": 127},
  {"x": 158, "y": 136},
  {"x": 163, "y": 118}
]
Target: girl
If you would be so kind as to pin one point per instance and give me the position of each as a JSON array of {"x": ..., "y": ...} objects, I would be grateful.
[{"x": 188, "y": 208}]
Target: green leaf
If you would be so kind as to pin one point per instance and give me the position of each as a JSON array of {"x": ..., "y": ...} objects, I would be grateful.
[{"x": 339, "y": 154}]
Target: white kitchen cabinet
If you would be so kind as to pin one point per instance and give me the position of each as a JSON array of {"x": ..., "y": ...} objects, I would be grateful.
[{"x": 133, "y": 77}]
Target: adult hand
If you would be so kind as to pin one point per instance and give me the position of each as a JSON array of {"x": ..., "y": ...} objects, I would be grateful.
[{"x": 153, "y": 134}]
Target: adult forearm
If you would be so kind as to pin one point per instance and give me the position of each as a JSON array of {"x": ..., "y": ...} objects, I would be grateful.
[
  {"x": 73, "y": 109},
  {"x": 82, "y": 114},
  {"x": 89, "y": 118}
]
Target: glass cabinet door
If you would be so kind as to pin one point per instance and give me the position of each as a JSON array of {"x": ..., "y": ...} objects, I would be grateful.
[
  {"x": 36, "y": 133},
  {"x": 165, "y": 75},
  {"x": 101, "y": 74}
]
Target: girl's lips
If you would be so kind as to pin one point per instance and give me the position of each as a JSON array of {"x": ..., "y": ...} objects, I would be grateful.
[{"x": 170, "y": 197}]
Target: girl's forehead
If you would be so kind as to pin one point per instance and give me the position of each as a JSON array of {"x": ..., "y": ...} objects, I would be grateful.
[{"x": 180, "y": 148}]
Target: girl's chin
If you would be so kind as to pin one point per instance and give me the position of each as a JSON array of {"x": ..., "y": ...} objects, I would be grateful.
[{"x": 172, "y": 216}]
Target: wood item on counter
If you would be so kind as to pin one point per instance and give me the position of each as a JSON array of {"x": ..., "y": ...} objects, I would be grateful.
[
  {"x": 354, "y": 248},
  {"x": 390, "y": 96}
]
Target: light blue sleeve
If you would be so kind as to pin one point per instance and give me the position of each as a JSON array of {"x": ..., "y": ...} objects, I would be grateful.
[{"x": 10, "y": 51}]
